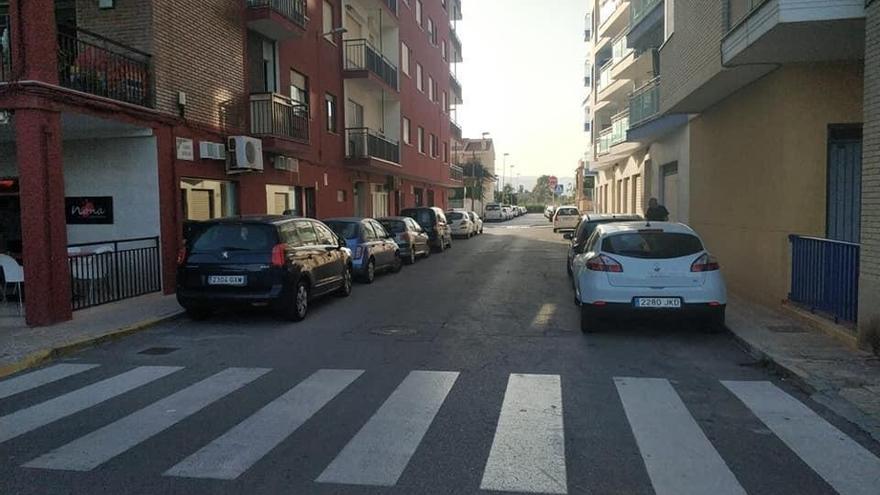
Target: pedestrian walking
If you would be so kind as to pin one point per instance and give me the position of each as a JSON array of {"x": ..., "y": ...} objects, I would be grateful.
[{"x": 656, "y": 212}]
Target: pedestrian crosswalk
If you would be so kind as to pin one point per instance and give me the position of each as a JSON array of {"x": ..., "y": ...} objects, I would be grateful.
[{"x": 525, "y": 453}]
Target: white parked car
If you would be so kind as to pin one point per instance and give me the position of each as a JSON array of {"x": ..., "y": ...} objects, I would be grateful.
[
  {"x": 460, "y": 224},
  {"x": 478, "y": 222},
  {"x": 648, "y": 268},
  {"x": 566, "y": 218},
  {"x": 507, "y": 212},
  {"x": 494, "y": 212}
]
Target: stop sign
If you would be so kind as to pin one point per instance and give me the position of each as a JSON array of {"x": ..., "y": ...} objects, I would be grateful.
[{"x": 552, "y": 181}]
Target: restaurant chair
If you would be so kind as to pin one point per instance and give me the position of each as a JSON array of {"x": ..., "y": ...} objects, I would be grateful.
[{"x": 13, "y": 273}]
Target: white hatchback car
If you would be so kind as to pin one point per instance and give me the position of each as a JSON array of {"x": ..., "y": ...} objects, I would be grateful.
[
  {"x": 494, "y": 213},
  {"x": 566, "y": 218},
  {"x": 648, "y": 268},
  {"x": 460, "y": 223}
]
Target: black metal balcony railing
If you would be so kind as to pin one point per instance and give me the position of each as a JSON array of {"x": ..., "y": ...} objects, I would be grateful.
[
  {"x": 295, "y": 10},
  {"x": 644, "y": 103},
  {"x": 825, "y": 276},
  {"x": 362, "y": 143},
  {"x": 360, "y": 54},
  {"x": 277, "y": 115},
  {"x": 90, "y": 63}
]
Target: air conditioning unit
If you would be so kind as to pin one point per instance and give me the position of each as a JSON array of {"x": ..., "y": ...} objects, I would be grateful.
[
  {"x": 245, "y": 154},
  {"x": 211, "y": 151}
]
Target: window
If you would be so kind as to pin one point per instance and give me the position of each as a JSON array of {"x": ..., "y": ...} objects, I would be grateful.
[
  {"x": 306, "y": 233},
  {"x": 355, "y": 114},
  {"x": 269, "y": 67},
  {"x": 443, "y": 51},
  {"x": 445, "y": 101},
  {"x": 369, "y": 233},
  {"x": 432, "y": 32},
  {"x": 328, "y": 21},
  {"x": 407, "y": 138},
  {"x": 325, "y": 237},
  {"x": 419, "y": 12},
  {"x": 432, "y": 142},
  {"x": 420, "y": 84},
  {"x": 430, "y": 88},
  {"x": 299, "y": 88},
  {"x": 330, "y": 112},
  {"x": 235, "y": 237},
  {"x": 652, "y": 245},
  {"x": 404, "y": 58},
  {"x": 421, "y": 140},
  {"x": 445, "y": 152}
]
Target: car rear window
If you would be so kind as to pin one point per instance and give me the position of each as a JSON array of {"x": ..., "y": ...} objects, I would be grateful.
[
  {"x": 346, "y": 230},
  {"x": 235, "y": 237},
  {"x": 492, "y": 207},
  {"x": 454, "y": 216},
  {"x": 652, "y": 245},
  {"x": 568, "y": 212},
  {"x": 394, "y": 226}
]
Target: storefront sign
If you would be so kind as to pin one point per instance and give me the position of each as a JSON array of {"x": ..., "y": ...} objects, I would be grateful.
[
  {"x": 89, "y": 210},
  {"x": 185, "y": 149}
]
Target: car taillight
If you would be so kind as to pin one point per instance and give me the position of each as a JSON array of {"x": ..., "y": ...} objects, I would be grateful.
[
  {"x": 181, "y": 255},
  {"x": 705, "y": 263},
  {"x": 602, "y": 263},
  {"x": 278, "y": 255},
  {"x": 359, "y": 252}
]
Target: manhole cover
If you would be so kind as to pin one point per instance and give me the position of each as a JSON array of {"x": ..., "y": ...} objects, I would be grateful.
[
  {"x": 785, "y": 329},
  {"x": 158, "y": 351},
  {"x": 394, "y": 331}
]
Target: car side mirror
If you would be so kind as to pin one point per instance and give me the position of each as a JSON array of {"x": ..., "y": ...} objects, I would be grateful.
[{"x": 567, "y": 236}]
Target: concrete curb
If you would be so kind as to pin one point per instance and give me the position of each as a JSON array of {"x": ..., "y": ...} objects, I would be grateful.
[
  {"x": 799, "y": 379},
  {"x": 44, "y": 355}
]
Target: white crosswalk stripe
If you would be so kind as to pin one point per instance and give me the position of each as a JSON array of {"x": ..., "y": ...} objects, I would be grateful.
[
  {"x": 679, "y": 458},
  {"x": 528, "y": 451},
  {"x": 34, "y": 379},
  {"x": 31, "y": 418},
  {"x": 844, "y": 464},
  {"x": 236, "y": 451},
  {"x": 100, "y": 446},
  {"x": 380, "y": 451}
]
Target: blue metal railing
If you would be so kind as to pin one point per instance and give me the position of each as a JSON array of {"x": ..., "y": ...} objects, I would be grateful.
[{"x": 825, "y": 276}]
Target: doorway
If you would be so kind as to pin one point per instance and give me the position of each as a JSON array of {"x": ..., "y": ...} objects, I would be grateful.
[
  {"x": 844, "y": 183},
  {"x": 669, "y": 189}
]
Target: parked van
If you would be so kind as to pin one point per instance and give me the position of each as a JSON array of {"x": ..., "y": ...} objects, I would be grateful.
[
  {"x": 494, "y": 213},
  {"x": 433, "y": 220}
]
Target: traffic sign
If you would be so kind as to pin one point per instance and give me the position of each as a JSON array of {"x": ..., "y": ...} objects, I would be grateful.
[
  {"x": 560, "y": 189},
  {"x": 552, "y": 181}
]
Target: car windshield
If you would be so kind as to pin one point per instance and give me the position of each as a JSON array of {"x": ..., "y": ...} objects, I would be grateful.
[
  {"x": 652, "y": 245},
  {"x": 235, "y": 237},
  {"x": 455, "y": 215},
  {"x": 493, "y": 208},
  {"x": 345, "y": 230},
  {"x": 394, "y": 226}
]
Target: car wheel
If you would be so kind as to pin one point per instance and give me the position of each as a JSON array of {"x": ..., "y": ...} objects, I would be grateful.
[
  {"x": 198, "y": 314},
  {"x": 715, "y": 322},
  {"x": 398, "y": 263},
  {"x": 370, "y": 272},
  {"x": 298, "y": 305},
  {"x": 588, "y": 320},
  {"x": 345, "y": 290}
]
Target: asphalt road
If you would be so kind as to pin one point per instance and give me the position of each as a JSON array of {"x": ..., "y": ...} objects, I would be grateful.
[{"x": 464, "y": 373}]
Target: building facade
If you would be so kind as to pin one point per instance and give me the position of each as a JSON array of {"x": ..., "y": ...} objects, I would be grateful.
[
  {"x": 124, "y": 120},
  {"x": 477, "y": 160},
  {"x": 869, "y": 279}
]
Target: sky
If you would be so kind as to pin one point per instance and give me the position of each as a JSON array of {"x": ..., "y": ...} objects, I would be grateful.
[{"x": 522, "y": 80}]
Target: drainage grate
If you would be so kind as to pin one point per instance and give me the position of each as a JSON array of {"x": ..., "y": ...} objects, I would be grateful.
[
  {"x": 158, "y": 351},
  {"x": 785, "y": 329},
  {"x": 393, "y": 331}
]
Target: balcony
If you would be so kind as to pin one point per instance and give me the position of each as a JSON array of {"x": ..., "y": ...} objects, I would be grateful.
[
  {"x": 455, "y": 86},
  {"x": 277, "y": 116},
  {"x": 455, "y": 129},
  {"x": 619, "y": 126},
  {"x": 603, "y": 143},
  {"x": 644, "y": 104},
  {"x": 277, "y": 19},
  {"x": 362, "y": 143},
  {"x": 456, "y": 46},
  {"x": 454, "y": 7},
  {"x": 613, "y": 18},
  {"x": 456, "y": 173},
  {"x": 588, "y": 26},
  {"x": 791, "y": 31},
  {"x": 645, "y": 24},
  {"x": 605, "y": 75},
  {"x": 362, "y": 59},
  {"x": 96, "y": 65}
]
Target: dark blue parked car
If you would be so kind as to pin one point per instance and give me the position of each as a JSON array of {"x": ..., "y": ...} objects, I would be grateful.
[{"x": 373, "y": 248}]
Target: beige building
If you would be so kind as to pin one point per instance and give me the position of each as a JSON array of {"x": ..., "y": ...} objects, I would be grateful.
[
  {"x": 477, "y": 159},
  {"x": 869, "y": 279},
  {"x": 744, "y": 119}
]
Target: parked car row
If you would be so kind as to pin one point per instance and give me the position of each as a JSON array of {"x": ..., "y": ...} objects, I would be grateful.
[
  {"x": 622, "y": 265},
  {"x": 284, "y": 262},
  {"x": 496, "y": 212}
]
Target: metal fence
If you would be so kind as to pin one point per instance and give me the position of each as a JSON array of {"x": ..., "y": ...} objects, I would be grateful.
[
  {"x": 360, "y": 54},
  {"x": 295, "y": 10},
  {"x": 361, "y": 143},
  {"x": 90, "y": 63},
  {"x": 273, "y": 114},
  {"x": 825, "y": 276},
  {"x": 103, "y": 272}
]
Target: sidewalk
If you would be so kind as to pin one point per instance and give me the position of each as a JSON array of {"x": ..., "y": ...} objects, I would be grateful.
[
  {"x": 22, "y": 347},
  {"x": 844, "y": 380}
]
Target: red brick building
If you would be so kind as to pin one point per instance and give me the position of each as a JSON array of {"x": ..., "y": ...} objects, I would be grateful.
[{"x": 123, "y": 119}]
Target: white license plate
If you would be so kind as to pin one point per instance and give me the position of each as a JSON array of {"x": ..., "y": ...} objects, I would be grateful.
[
  {"x": 658, "y": 302},
  {"x": 227, "y": 280}
]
